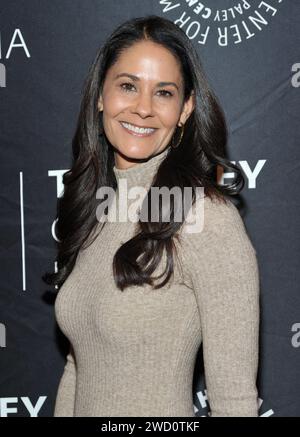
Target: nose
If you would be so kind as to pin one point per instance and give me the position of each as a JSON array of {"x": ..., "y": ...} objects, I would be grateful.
[{"x": 143, "y": 104}]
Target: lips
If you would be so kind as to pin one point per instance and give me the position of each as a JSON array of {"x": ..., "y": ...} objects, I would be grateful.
[
  {"x": 137, "y": 134},
  {"x": 137, "y": 125}
]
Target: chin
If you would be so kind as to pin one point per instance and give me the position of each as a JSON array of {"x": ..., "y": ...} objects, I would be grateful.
[{"x": 134, "y": 153}]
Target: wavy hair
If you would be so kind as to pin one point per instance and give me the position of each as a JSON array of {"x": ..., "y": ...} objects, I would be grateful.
[{"x": 202, "y": 152}]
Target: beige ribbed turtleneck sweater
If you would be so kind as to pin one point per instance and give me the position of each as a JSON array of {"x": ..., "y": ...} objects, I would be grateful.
[{"x": 133, "y": 352}]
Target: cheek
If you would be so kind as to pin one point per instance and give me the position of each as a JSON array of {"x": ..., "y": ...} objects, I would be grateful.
[
  {"x": 114, "y": 103},
  {"x": 169, "y": 116},
  {"x": 112, "y": 109},
  {"x": 168, "y": 111}
]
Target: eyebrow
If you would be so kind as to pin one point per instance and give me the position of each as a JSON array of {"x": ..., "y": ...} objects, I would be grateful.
[{"x": 135, "y": 78}]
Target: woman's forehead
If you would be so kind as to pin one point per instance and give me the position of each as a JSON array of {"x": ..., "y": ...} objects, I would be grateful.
[{"x": 155, "y": 62}]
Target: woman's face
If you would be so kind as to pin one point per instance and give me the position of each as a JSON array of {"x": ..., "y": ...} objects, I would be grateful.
[{"x": 133, "y": 93}]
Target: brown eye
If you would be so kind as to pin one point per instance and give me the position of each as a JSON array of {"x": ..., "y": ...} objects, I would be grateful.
[
  {"x": 168, "y": 93},
  {"x": 126, "y": 86}
]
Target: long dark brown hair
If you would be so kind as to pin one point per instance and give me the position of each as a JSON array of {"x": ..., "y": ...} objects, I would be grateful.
[{"x": 196, "y": 162}]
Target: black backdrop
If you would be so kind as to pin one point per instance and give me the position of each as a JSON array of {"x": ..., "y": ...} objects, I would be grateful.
[{"x": 250, "y": 51}]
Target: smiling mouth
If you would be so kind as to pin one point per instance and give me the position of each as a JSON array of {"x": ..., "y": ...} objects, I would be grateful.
[{"x": 136, "y": 130}]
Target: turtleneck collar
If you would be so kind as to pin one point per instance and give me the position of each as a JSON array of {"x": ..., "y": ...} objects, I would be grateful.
[{"x": 141, "y": 174}]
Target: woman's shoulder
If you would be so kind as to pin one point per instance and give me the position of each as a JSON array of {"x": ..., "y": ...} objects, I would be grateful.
[
  {"x": 210, "y": 214},
  {"x": 215, "y": 218},
  {"x": 220, "y": 209}
]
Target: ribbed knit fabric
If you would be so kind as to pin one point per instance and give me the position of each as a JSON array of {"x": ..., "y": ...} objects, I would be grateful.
[{"x": 133, "y": 352}]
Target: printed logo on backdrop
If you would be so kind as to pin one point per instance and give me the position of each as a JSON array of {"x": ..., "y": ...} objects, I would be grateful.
[
  {"x": 226, "y": 22},
  {"x": 24, "y": 405},
  {"x": 15, "y": 42}
]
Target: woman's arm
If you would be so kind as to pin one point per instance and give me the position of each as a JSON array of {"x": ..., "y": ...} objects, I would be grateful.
[
  {"x": 225, "y": 276},
  {"x": 65, "y": 398}
]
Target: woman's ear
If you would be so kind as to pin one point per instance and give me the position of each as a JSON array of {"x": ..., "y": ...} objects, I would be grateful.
[
  {"x": 188, "y": 108},
  {"x": 100, "y": 104}
]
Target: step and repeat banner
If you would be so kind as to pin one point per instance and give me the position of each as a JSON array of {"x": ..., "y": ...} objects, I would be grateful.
[{"x": 251, "y": 54}]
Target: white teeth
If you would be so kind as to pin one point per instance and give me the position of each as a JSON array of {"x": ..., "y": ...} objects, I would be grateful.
[{"x": 139, "y": 130}]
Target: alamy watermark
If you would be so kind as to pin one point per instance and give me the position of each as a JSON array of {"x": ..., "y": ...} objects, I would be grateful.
[
  {"x": 114, "y": 206},
  {"x": 2, "y": 335}
]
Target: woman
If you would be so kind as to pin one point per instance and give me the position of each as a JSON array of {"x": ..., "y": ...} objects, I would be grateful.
[{"x": 149, "y": 118}]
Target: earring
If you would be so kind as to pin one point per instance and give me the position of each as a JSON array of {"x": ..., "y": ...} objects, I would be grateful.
[{"x": 181, "y": 134}]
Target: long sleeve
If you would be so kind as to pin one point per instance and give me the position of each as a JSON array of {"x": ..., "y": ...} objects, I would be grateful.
[
  {"x": 64, "y": 405},
  {"x": 225, "y": 276}
]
